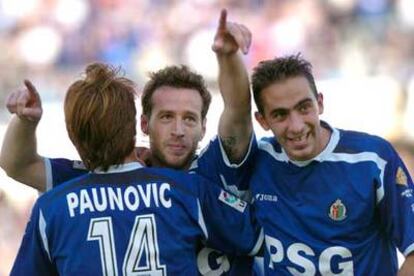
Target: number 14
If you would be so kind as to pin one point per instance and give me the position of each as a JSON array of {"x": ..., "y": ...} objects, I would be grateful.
[{"x": 143, "y": 240}]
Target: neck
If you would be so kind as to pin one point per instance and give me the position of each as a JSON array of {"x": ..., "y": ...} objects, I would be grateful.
[
  {"x": 132, "y": 157},
  {"x": 155, "y": 162},
  {"x": 325, "y": 137}
]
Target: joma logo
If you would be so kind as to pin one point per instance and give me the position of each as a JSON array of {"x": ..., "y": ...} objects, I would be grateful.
[{"x": 266, "y": 197}]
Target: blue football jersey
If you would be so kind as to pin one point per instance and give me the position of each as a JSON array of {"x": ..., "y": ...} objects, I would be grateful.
[
  {"x": 133, "y": 221},
  {"x": 342, "y": 213},
  {"x": 213, "y": 164},
  {"x": 59, "y": 170}
]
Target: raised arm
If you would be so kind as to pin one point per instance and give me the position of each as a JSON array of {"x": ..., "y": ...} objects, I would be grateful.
[
  {"x": 19, "y": 158},
  {"x": 235, "y": 126}
]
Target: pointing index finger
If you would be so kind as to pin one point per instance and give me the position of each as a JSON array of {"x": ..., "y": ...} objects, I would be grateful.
[
  {"x": 222, "y": 20},
  {"x": 32, "y": 89},
  {"x": 30, "y": 86}
]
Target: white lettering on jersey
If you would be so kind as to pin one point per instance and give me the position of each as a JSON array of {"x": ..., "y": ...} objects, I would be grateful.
[
  {"x": 293, "y": 254},
  {"x": 131, "y": 198},
  {"x": 100, "y": 206},
  {"x": 85, "y": 202},
  {"x": 100, "y": 199},
  {"x": 204, "y": 266},
  {"x": 297, "y": 252},
  {"x": 115, "y": 198},
  {"x": 347, "y": 267},
  {"x": 266, "y": 197}
]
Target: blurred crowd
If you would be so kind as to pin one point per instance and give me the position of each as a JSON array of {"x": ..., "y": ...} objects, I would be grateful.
[
  {"x": 50, "y": 41},
  {"x": 13, "y": 220}
]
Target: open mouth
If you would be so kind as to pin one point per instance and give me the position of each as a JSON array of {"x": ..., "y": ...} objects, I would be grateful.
[{"x": 298, "y": 142}]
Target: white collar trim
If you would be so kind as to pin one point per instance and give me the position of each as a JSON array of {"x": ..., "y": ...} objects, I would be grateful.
[{"x": 120, "y": 168}]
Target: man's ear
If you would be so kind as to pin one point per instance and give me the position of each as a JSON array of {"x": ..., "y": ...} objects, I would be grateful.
[
  {"x": 261, "y": 120},
  {"x": 320, "y": 103},
  {"x": 203, "y": 128},
  {"x": 144, "y": 124}
]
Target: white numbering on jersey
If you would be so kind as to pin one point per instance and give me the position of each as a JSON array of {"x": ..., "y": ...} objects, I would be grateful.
[
  {"x": 100, "y": 229},
  {"x": 296, "y": 253},
  {"x": 142, "y": 246}
]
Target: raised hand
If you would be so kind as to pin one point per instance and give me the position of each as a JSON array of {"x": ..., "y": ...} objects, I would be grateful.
[
  {"x": 231, "y": 36},
  {"x": 25, "y": 103}
]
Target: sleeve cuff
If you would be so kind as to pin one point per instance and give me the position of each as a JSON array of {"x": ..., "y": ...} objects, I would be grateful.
[{"x": 226, "y": 158}]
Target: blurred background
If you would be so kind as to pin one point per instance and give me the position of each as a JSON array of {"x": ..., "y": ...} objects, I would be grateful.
[{"x": 362, "y": 52}]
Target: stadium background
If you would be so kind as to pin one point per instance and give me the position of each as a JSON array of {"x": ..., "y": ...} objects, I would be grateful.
[{"x": 362, "y": 52}]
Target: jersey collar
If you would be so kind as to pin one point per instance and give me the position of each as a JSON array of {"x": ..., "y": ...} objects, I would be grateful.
[{"x": 120, "y": 168}]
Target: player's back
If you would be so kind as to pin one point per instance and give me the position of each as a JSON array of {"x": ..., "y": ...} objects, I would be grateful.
[{"x": 140, "y": 221}]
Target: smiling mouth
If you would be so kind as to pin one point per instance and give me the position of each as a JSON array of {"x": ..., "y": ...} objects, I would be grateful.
[
  {"x": 298, "y": 142},
  {"x": 298, "y": 139}
]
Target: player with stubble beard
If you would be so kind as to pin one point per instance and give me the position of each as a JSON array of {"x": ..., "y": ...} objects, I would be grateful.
[{"x": 175, "y": 102}]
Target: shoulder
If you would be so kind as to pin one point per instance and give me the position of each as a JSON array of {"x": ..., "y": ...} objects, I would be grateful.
[
  {"x": 167, "y": 173},
  {"x": 67, "y": 163},
  {"x": 268, "y": 140},
  {"x": 269, "y": 144},
  {"x": 355, "y": 141},
  {"x": 180, "y": 180},
  {"x": 53, "y": 196},
  {"x": 211, "y": 149}
]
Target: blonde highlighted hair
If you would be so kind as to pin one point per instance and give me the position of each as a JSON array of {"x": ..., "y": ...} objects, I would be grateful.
[{"x": 100, "y": 116}]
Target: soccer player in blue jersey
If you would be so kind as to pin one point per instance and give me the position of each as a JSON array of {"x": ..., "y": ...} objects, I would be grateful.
[
  {"x": 330, "y": 201},
  {"x": 175, "y": 102},
  {"x": 122, "y": 218}
]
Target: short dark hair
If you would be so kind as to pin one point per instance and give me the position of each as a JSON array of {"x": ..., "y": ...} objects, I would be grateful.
[
  {"x": 100, "y": 116},
  {"x": 177, "y": 77},
  {"x": 268, "y": 72}
]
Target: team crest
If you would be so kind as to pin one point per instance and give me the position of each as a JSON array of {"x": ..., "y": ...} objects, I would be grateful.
[
  {"x": 337, "y": 211},
  {"x": 401, "y": 177}
]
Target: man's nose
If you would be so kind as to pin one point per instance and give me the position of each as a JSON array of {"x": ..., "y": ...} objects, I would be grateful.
[
  {"x": 296, "y": 123},
  {"x": 178, "y": 129}
]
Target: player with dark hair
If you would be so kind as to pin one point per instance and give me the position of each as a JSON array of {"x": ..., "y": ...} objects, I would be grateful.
[
  {"x": 122, "y": 218},
  {"x": 173, "y": 94},
  {"x": 330, "y": 201},
  {"x": 175, "y": 103},
  {"x": 345, "y": 196}
]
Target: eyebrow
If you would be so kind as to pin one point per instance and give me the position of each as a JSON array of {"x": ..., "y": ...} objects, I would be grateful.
[
  {"x": 185, "y": 112},
  {"x": 306, "y": 100},
  {"x": 283, "y": 109}
]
